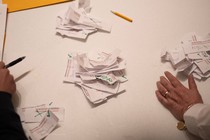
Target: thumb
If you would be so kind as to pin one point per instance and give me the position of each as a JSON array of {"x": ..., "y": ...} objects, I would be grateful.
[
  {"x": 191, "y": 82},
  {"x": 1, "y": 65}
]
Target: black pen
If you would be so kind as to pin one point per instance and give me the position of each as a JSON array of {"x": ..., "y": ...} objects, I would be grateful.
[{"x": 14, "y": 62}]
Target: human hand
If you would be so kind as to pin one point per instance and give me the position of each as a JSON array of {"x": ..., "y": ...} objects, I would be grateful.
[
  {"x": 7, "y": 83},
  {"x": 175, "y": 96}
]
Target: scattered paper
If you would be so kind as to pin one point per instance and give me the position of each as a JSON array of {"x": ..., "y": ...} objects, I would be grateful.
[
  {"x": 99, "y": 75},
  {"x": 77, "y": 22},
  {"x": 46, "y": 116},
  {"x": 192, "y": 56}
]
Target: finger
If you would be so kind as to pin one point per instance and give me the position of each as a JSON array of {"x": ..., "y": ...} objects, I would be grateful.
[
  {"x": 2, "y": 65},
  {"x": 173, "y": 80},
  {"x": 166, "y": 102},
  {"x": 166, "y": 84},
  {"x": 191, "y": 82},
  {"x": 162, "y": 99},
  {"x": 161, "y": 88}
]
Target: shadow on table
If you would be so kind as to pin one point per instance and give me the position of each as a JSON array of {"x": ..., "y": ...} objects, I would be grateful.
[{"x": 16, "y": 98}]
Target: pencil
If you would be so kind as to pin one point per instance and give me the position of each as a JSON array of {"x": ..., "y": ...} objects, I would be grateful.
[
  {"x": 14, "y": 62},
  {"x": 122, "y": 16}
]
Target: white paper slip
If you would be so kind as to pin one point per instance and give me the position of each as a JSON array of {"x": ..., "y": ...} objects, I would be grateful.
[
  {"x": 21, "y": 111},
  {"x": 46, "y": 126},
  {"x": 164, "y": 54},
  {"x": 71, "y": 70},
  {"x": 105, "y": 87},
  {"x": 85, "y": 4},
  {"x": 177, "y": 55},
  {"x": 95, "y": 96},
  {"x": 200, "y": 74},
  {"x": 198, "y": 56},
  {"x": 58, "y": 111},
  {"x": 204, "y": 65},
  {"x": 36, "y": 114},
  {"x": 190, "y": 69},
  {"x": 3, "y": 18}
]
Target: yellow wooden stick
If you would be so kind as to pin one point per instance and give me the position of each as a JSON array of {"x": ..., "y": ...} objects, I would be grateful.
[{"x": 122, "y": 16}]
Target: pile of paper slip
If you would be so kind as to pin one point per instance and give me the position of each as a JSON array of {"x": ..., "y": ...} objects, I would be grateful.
[
  {"x": 77, "y": 22},
  {"x": 192, "y": 56},
  {"x": 99, "y": 75},
  {"x": 47, "y": 117}
]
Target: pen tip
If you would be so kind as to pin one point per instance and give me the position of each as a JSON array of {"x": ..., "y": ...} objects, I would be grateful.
[{"x": 23, "y": 57}]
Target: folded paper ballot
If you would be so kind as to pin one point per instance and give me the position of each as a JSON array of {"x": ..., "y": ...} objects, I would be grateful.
[
  {"x": 77, "y": 22},
  {"x": 192, "y": 56},
  {"x": 99, "y": 75}
]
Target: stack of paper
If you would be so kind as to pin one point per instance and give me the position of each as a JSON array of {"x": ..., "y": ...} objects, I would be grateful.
[
  {"x": 99, "y": 75},
  {"x": 192, "y": 56},
  {"x": 77, "y": 22},
  {"x": 47, "y": 117}
]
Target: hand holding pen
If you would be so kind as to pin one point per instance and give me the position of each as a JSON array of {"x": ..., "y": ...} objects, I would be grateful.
[{"x": 7, "y": 82}]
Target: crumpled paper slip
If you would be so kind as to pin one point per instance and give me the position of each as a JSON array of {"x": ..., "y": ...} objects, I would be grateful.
[
  {"x": 99, "y": 75},
  {"x": 77, "y": 22},
  {"x": 191, "y": 56}
]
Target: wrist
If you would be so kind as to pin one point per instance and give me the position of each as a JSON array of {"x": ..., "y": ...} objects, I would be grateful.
[
  {"x": 181, "y": 124},
  {"x": 188, "y": 107}
]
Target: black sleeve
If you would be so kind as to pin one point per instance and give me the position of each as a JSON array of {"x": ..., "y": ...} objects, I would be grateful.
[{"x": 10, "y": 124}]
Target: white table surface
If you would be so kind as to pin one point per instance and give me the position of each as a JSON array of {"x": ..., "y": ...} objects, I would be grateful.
[{"x": 133, "y": 115}]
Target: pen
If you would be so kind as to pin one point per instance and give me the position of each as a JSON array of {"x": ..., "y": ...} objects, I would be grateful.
[
  {"x": 14, "y": 62},
  {"x": 122, "y": 16}
]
